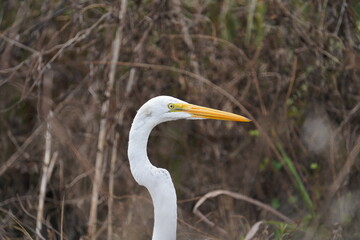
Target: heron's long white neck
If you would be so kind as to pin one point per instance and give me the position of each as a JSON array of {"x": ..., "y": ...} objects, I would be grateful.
[{"x": 156, "y": 180}]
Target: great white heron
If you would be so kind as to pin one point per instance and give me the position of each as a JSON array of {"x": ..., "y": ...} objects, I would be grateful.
[{"x": 158, "y": 180}]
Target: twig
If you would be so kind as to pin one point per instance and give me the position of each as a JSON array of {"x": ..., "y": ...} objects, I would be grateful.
[
  {"x": 238, "y": 196},
  {"x": 43, "y": 183},
  {"x": 334, "y": 136},
  {"x": 47, "y": 113},
  {"x": 341, "y": 17},
  {"x": 345, "y": 170},
  {"x": 78, "y": 178},
  {"x": 21, "y": 228},
  {"x": 139, "y": 55},
  {"x": 13, "y": 31},
  {"x": 51, "y": 165},
  {"x": 19, "y": 44},
  {"x": 45, "y": 176},
  {"x": 329, "y": 55},
  {"x": 15, "y": 199},
  {"x": 203, "y": 233},
  {"x": 257, "y": 87},
  {"x": 250, "y": 19},
  {"x": 255, "y": 79},
  {"x": 254, "y": 229},
  {"x": 103, "y": 123},
  {"x": 292, "y": 80},
  {"x": 112, "y": 173},
  {"x": 31, "y": 216},
  {"x": 20, "y": 151},
  {"x": 14, "y": 141},
  {"x": 186, "y": 35},
  {"x": 218, "y": 40},
  {"x": 62, "y": 217},
  {"x": 322, "y": 17},
  {"x": 111, "y": 185}
]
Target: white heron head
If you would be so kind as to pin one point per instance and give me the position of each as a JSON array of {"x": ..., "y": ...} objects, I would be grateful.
[{"x": 165, "y": 108}]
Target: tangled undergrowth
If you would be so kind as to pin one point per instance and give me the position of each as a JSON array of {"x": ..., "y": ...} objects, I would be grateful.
[{"x": 73, "y": 74}]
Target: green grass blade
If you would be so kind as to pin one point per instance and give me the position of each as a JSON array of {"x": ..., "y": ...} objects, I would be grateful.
[{"x": 297, "y": 180}]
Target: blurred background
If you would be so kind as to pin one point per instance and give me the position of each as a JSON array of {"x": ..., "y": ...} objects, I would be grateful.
[{"x": 73, "y": 74}]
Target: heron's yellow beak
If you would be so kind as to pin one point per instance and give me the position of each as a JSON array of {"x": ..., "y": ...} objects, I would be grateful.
[{"x": 203, "y": 112}]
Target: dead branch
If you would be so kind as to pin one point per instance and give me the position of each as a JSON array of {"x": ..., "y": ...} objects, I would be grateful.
[
  {"x": 114, "y": 156},
  {"x": 139, "y": 56},
  {"x": 45, "y": 174},
  {"x": 186, "y": 35},
  {"x": 238, "y": 196}
]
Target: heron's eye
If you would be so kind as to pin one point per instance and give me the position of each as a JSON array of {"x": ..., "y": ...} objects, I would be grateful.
[{"x": 171, "y": 106}]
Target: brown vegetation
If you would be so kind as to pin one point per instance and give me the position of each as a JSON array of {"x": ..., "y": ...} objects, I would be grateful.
[{"x": 73, "y": 74}]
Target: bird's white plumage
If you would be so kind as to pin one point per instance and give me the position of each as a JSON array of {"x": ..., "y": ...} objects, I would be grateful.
[{"x": 156, "y": 180}]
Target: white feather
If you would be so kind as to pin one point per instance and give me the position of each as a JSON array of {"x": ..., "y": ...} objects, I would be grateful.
[{"x": 156, "y": 180}]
